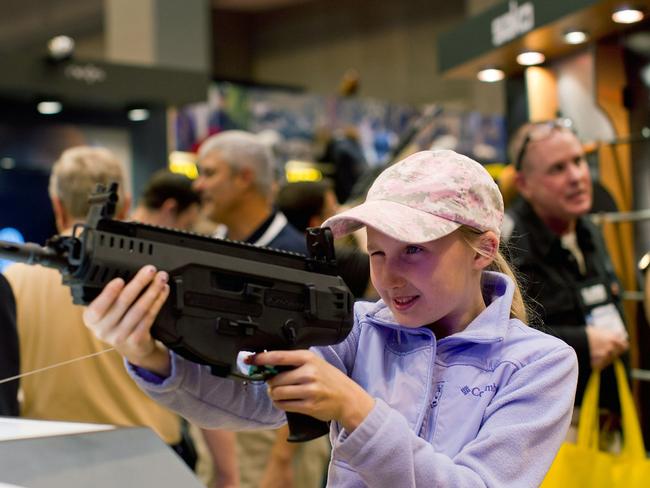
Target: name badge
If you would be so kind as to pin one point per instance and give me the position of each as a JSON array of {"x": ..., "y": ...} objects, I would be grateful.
[
  {"x": 607, "y": 317},
  {"x": 594, "y": 294}
]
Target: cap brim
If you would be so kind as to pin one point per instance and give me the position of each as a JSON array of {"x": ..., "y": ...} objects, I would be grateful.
[{"x": 393, "y": 219}]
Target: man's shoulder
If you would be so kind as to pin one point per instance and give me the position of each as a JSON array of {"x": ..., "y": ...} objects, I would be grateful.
[
  {"x": 32, "y": 280},
  {"x": 21, "y": 271},
  {"x": 524, "y": 233},
  {"x": 517, "y": 235},
  {"x": 16, "y": 274},
  {"x": 289, "y": 239},
  {"x": 514, "y": 218}
]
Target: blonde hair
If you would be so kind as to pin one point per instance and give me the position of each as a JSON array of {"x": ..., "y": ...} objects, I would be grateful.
[
  {"x": 78, "y": 171},
  {"x": 499, "y": 263}
]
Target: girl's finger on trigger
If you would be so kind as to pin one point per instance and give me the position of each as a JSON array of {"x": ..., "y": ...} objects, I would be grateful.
[{"x": 280, "y": 358}]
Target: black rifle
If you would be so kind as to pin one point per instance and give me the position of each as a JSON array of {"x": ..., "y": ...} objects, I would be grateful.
[{"x": 225, "y": 296}]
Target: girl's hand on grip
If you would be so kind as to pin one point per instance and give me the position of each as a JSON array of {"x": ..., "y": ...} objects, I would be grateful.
[
  {"x": 314, "y": 387},
  {"x": 122, "y": 316}
]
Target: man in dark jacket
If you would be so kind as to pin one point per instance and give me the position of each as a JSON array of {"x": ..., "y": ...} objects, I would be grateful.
[
  {"x": 9, "y": 362},
  {"x": 567, "y": 274}
]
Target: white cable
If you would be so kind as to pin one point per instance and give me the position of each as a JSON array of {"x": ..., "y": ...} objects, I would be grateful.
[{"x": 12, "y": 378}]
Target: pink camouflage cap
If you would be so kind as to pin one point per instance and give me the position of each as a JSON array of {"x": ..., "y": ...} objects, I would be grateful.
[{"x": 426, "y": 196}]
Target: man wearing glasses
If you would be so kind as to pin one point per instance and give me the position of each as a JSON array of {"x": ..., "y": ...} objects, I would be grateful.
[{"x": 567, "y": 274}]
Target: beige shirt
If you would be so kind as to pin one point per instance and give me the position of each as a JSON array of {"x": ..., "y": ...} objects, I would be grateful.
[{"x": 98, "y": 389}]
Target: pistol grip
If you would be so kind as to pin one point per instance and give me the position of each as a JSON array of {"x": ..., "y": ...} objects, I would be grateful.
[{"x": 303, "y": 428}]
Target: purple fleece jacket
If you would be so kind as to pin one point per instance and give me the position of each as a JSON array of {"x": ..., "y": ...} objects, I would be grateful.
[{"x": 486, "y": 407}]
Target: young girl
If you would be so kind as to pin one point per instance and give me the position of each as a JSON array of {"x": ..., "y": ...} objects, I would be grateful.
[{"x": 440, "y": 383}]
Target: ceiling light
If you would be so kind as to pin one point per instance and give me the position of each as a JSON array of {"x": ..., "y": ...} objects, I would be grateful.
[
  {"x": 575, "y": 37},
  {"x": 60, "y": 48},
  {"x": 490, "y": 75},
  {"x": 627, "y": 15},
  {"x": 49, "y": 107},
  {"x": 138, "y": 114},
  {"x": 7, "y": 163},
  {"x": 530, "y": 58}
]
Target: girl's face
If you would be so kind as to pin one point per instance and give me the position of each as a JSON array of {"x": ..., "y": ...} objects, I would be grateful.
[{"x": 434, "y": 284}]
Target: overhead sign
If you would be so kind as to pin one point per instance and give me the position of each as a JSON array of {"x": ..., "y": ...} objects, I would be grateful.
[
  {"x": 499, "y": 26},
  {"x": 99, "y": 82},
  {"x": 518, "y": 20},
  {"x": 89, "y": 73}
]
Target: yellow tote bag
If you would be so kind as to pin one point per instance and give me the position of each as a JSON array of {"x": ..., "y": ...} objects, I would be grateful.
[{"x": 584, "y": 465}]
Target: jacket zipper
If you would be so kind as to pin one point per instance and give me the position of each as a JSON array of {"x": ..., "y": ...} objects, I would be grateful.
[{"x": 429, "y": 425}]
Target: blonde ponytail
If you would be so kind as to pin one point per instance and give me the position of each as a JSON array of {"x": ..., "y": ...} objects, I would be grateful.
[{"x": 518, "y": 307}]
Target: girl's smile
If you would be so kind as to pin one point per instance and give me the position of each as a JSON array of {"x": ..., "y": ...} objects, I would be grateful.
[{"x": 404, "y": 303}]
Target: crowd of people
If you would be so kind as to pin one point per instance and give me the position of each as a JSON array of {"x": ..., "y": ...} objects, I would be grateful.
[{"x": 475, "y": 327}]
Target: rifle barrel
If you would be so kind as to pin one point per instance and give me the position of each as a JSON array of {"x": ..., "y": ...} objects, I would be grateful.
[{"x": 31, "y": 253}]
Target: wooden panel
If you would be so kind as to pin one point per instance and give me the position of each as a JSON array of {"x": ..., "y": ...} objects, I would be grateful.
[
  {"x": 541, "y": 86},
  {"x": 616, "y": 175}
]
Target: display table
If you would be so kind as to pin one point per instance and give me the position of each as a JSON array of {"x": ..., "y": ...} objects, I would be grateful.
[{"x": 40, "y": 454}]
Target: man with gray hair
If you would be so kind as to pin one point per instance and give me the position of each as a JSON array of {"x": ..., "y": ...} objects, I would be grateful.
[
  {"x": 236, "y": 184},
  {"x": 51, "y": 329},
  {"x": 237, "y": 187}
]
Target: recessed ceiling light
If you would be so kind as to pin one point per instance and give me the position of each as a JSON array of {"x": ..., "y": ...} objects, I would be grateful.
[
  {"x": 490, "y": 75},
  {"x": 138, "y": 114},
  {"x": 530, "y": 58},
  {"x": 60, "y": 47},
  {"x": 7, "y": 163},
  {"x": 627, "y": 15},
  {"x": 575, "y": 37},
  {"x": 49, "y": 107}
]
